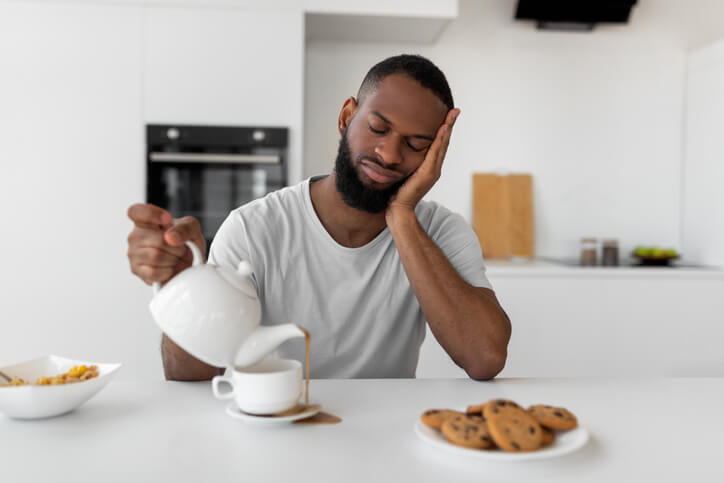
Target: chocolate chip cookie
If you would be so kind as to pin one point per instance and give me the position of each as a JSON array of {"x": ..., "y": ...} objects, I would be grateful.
[
  {"x": 512, "y": 428},
  {"x": 553, "y": 417},
  {"x": 475, "y": 409},
  {"x": 435, "y": 417},
  {"x": 549, "y": 436},
  {"x": 468, "y": 431}
]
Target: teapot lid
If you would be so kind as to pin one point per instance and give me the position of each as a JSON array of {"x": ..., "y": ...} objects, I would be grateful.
[{"x": 241, "y": 279}]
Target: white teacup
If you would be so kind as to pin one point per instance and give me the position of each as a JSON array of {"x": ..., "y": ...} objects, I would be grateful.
[{"x": 267, "y": 387}]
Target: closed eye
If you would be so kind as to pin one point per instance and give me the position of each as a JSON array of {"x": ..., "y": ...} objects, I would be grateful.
[
  {"x": 412, "y": 147},
  {"x": 416, "y": 149},
  {"x": 377, "y": 131}
]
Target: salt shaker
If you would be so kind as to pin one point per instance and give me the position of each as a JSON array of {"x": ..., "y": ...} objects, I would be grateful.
[{"x": 588, "y": 252}]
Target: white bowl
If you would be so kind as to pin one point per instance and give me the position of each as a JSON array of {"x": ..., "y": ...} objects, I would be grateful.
[{"x": 31, "y": 402}]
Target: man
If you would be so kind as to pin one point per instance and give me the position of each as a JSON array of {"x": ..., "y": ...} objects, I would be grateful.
[{"x": 355, "y": 257}]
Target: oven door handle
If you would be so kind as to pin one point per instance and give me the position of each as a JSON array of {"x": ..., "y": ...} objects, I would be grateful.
[{"x": 164, "y": 157}]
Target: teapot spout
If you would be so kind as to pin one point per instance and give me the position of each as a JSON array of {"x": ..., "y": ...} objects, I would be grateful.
[{"x": 262, "y": 341}]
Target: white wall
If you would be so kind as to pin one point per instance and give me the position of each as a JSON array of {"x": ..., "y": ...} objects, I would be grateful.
[
  {"x": 78, "y": 82},
  {"x": 596, "y": 118},
  {"x": 71, "y": 148},
  {"x": 703, "y": 210}
]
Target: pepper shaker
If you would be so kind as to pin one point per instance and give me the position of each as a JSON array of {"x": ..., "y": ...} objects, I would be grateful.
[{"x": 609, "y": 256}]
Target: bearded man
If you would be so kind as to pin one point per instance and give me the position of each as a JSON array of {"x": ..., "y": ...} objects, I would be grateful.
[{"x": 356, "y": 257}]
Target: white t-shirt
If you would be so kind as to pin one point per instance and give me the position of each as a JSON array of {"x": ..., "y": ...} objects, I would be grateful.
[{"x": 357, "y": 303}]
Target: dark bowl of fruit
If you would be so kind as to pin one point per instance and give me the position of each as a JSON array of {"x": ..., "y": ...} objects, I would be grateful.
[{"x": 654, "y": 256}]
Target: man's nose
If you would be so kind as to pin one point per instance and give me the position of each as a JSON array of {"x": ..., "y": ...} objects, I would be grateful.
[{"x": 390, "y": 149}]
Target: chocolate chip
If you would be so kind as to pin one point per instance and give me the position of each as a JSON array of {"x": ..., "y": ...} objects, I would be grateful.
[
  {"x": 559, "y": 414},
  {"x": 532, "y": 430},
  {"x": 485, "y": 438},
  {"x": 548, "y": 407},
  {"x": 495, "y": 410},
  {"x": 507, "y": 430},
  {"x": 515, "y": 445},
  {"x": 455, "y": 427},
  {"x": 515, "y": 421},
  {"x": 500, "y": 403}
]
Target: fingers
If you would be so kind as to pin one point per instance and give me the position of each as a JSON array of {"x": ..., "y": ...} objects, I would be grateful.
[
  {"x": 151, "y": 274},
  {"x": 182, "y": 230},
  {"x": 151, "y": 258},
  {"x": 149, "y": 216},
  {"x": 156, "y": 250},
  {"x": 446, "y": 132},
  {"x": 436, "y": 154},
  {"x": 155, "y": 257},
  {"x": 452, "y": 116}
]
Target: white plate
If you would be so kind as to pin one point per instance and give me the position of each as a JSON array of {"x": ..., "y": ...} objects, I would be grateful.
[
  {"x": 32, "y": 402},
  {"x": 233, "y": 410},
  {"x": 566, "y": 442}
]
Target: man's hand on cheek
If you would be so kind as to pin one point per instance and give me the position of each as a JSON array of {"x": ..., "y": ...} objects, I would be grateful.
[{"x": 427, "y": 174}]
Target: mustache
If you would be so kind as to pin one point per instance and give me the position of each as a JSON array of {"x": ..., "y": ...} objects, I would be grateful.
[{"x": 377, "y": 161}]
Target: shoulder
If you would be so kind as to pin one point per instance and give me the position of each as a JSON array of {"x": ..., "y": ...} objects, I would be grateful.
[
  {"x": 437, "y": 220},
  {"x": 457, "y": 240},
  {"x": 259, "y": 224},
  {"x": 264, "y": 217},
  {"x": 275, "y": 204}
]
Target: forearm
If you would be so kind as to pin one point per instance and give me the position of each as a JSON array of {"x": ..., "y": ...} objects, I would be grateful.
[
  {"x": 179, "y": 365},
  {"x": 467, "y": 321}
]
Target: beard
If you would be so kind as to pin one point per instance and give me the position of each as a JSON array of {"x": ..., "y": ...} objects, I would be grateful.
[{"x": 353, "y": 191}]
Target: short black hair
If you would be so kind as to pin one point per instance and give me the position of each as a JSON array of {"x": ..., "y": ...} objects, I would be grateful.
[{"x": 417, "y": 67}]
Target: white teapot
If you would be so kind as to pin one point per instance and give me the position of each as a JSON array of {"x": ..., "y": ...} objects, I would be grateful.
[{"x": 213, "y": 313}]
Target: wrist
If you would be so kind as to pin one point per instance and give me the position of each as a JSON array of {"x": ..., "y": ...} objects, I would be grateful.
[{"x": 400, "y": 215}]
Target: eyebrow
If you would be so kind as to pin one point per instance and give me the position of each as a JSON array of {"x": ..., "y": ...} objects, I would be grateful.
[{"x": 422, "y": 136}]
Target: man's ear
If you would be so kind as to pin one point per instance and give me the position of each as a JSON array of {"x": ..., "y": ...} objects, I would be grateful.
[{"x": 349, "y": 108}]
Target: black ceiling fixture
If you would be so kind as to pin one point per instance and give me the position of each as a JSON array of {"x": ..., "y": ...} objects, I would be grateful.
[{"x": 573, "y": 15}]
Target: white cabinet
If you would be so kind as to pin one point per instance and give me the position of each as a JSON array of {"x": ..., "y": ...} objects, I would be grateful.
[
  {"x": 417, "y": 21},
  {"x": 703, "y": 173},
  {"x": 226, "y": 67},
  {"x": 387, "y": 8},
  {"x": 604, "y": 322}
]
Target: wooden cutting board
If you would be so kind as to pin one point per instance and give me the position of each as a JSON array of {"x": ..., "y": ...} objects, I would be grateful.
[{"x": 503, "y": 214}]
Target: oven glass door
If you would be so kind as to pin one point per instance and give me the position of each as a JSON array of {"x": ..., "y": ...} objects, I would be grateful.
[{"x": 209, "y": 189}]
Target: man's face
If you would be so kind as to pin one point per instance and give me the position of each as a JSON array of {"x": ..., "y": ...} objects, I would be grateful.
[{"x": 385, "y": 141}]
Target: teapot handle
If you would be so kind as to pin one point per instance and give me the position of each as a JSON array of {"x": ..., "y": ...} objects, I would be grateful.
[{"x": 198, "y": 260}]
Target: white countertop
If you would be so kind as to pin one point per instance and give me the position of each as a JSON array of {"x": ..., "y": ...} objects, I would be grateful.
[
  {"x": 641, "y": 430},
  {"x": 499, "y": 268}
]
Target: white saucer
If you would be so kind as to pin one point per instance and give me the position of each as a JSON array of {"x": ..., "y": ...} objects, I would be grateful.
[
  {"x": 565, "y": 442},
  {"x": 233, "y": 410}
]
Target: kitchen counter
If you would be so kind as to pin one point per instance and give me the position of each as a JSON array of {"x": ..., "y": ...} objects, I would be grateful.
[
  {"x": 636, "y": 321},
  {"x": 653, "y": 429},
  {"x": 550, "y": 268}
]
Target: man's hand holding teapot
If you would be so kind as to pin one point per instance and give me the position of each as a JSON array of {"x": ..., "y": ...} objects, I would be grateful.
[{"x": 156, "y": 245}]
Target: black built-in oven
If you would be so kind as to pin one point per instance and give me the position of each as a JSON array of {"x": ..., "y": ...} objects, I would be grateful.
[{"x": 207, "y": 171}]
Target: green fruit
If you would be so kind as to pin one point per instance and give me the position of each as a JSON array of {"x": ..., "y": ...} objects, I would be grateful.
[
  {"x": 642, "y": 251},
  {"x": 670, "y": 252},
  {"x": 657, "y": 252}
]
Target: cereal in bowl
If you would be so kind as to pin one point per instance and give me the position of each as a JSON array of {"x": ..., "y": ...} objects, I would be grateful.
[{"x": 74, "y": 374}]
